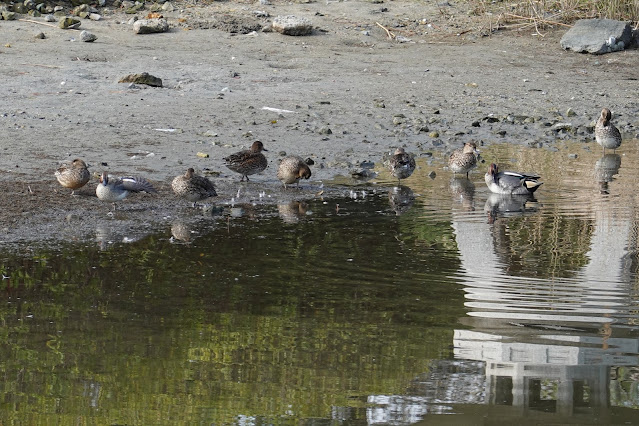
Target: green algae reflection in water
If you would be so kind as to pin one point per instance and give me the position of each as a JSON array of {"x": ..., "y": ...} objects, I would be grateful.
[{"x": 263, "y": 319}]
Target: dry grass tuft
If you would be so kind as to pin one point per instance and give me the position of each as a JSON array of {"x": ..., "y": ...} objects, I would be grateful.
[{"x": 544, "y": 14}]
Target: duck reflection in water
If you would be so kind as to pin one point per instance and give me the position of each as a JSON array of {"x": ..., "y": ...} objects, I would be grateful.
[
  {"x": 292, "y": 212},
  {"x": 504, "y": 205},
  {"x": 463, "y": 191},
  {"x": 401, "y": 199},
  {"x": 180, "y": 232},
  {"x": 605, "y": 168}
]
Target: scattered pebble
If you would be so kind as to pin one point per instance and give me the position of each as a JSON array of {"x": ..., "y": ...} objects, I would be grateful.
[
  {"x": 142, "y": 78},
  {"x": 150, "y": 26},
  {"x": 87, "y": 36},
  {"x": 292, "y": 25}
]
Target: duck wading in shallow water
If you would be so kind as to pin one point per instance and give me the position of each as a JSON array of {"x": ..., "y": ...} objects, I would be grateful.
[
  {"x": 112, "y": 189},
  {"x": 511, "y": 183},
  {"x": 292, "y": 169},
  {"x": 606, "y": 134},
  {"x": 73, "y": 176},
  {"x": 248, "y": 162},
  {"x": 192, "y": 187},
  {"x": 401, "y": 164},
  {"x": 464, "y": 159}
]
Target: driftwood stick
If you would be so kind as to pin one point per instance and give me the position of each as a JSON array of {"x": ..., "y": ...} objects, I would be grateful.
[
  {"x": 388, "y": 33},
  {"x": 44, "y": 23}
]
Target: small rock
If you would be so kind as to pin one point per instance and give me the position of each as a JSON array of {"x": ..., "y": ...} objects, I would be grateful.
[
  {"x": 434, "y": 134},
  {"x": 49, "y": 18},
  {"x": 202, "y": 155},
  {"x": 149, "y": 26},
  {"x": 292, "y": 25},
  {"x": 432, "y": 175},
  {"x": 143, "y": 78},
  {"x": 325, "y": 131},
  {"x": 8, "y": 16},
  {"x": 572, "y": 156},
  {"x": 133, "y": 9},
  {"x": 566, "y": 127},
  {"x": 570, "y": 112},
  {"x": 168, "y": 7},
  {"x": 95, "y": 16},
  {"x": 69, "y": 23},
  {"x": 40, "y": 35},
  {"x": 88, "y": 37}
]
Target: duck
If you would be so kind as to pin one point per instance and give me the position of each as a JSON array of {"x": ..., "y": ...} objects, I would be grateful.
[
  {"x": 192, "y": 187},
  {"x": 464, "y": 159},
  {"x": 292, "y": 169},
  {"x": 74, "y": 175},
  {"x": 401, "y": 164},
  {"x": 606, "y": 134},
  {"x": 511, "y": 183},
  {"x": 248, "y": 162},
  {"x": 112, "y": 189}
]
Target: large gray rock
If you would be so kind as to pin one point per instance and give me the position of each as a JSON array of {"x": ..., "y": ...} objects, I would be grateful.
[
  {"x": 292, "y": 25},
  {"x": 597, "y": 36},
  {"x": 148, "y": 26}
]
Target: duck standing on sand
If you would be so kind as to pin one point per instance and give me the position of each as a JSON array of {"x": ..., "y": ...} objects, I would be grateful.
[
  {"x": 464, "y": 159},
  {"x": 248, "y": 162},
  {"x": 401, "y": 164},
  {"x": 73, "y": 176},
  {"x": 511, "y": 183},
  {"x": 112, "y": 189},
  {"x": 606, "y": 134},
  {"x": 192, "y": 187},
  {"x": 292, "y": 169}
]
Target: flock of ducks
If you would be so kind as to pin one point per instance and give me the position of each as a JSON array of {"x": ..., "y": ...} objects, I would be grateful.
[
  {"x": 189, "y": 186},
  {"x": 401, "y": 165},
  {"x": 464, "y": 159}
]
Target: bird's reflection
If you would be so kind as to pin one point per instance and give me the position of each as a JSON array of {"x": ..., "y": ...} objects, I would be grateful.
[
  {"x": 180, "y": 231},
  {"x": 605, "y": 168},
  {"x": 106, "y": 235},
  {"x": 505, "y": 205},
  {"x": 463, "y": 191},
  {"x": 401, "y": 199},
  {"x": 292, "y": 212}
]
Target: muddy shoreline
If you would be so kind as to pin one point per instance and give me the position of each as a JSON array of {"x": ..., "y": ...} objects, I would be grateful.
[{"x": 352, "y": 95}]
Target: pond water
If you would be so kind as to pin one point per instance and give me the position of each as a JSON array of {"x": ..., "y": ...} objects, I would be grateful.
[{"x": 389, "y": 305}]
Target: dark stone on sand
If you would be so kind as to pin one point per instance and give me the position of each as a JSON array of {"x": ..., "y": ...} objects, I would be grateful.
[{"x": 143, "y": 78}]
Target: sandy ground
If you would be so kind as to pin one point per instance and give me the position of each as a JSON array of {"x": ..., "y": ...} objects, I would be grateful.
[{"x": 352, "y": 94}]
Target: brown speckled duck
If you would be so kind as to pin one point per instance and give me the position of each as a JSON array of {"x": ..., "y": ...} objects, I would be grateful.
[
  {"x": 248, "y": 162},
  {"x": 606, "y": 134},
  {"x": 464, "y": 159},
  {"x": 114, "y": 189},
  {"x": 292, "y": 169},
  {"x": 401, "y": 164},
  {"x": 192, "y": 187},
  {"x": 74, "y": 175}
]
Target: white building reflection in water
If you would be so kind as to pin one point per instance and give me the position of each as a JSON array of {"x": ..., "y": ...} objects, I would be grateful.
[{"x": 537, "y": 350}]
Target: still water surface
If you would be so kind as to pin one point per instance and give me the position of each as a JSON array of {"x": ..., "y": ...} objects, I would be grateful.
[{"x": 390, "y": 305}]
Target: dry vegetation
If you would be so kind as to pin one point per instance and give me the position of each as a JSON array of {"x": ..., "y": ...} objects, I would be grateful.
[{"x": 542, "y": 14}]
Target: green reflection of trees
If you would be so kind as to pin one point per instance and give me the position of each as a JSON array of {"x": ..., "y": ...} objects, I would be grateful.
[
  {"x": 264, "y": 319},
  {"x": 543, "y": 247}
]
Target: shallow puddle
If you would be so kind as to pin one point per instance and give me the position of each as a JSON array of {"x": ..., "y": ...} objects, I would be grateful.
[{"x": 389, "y": 305}]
